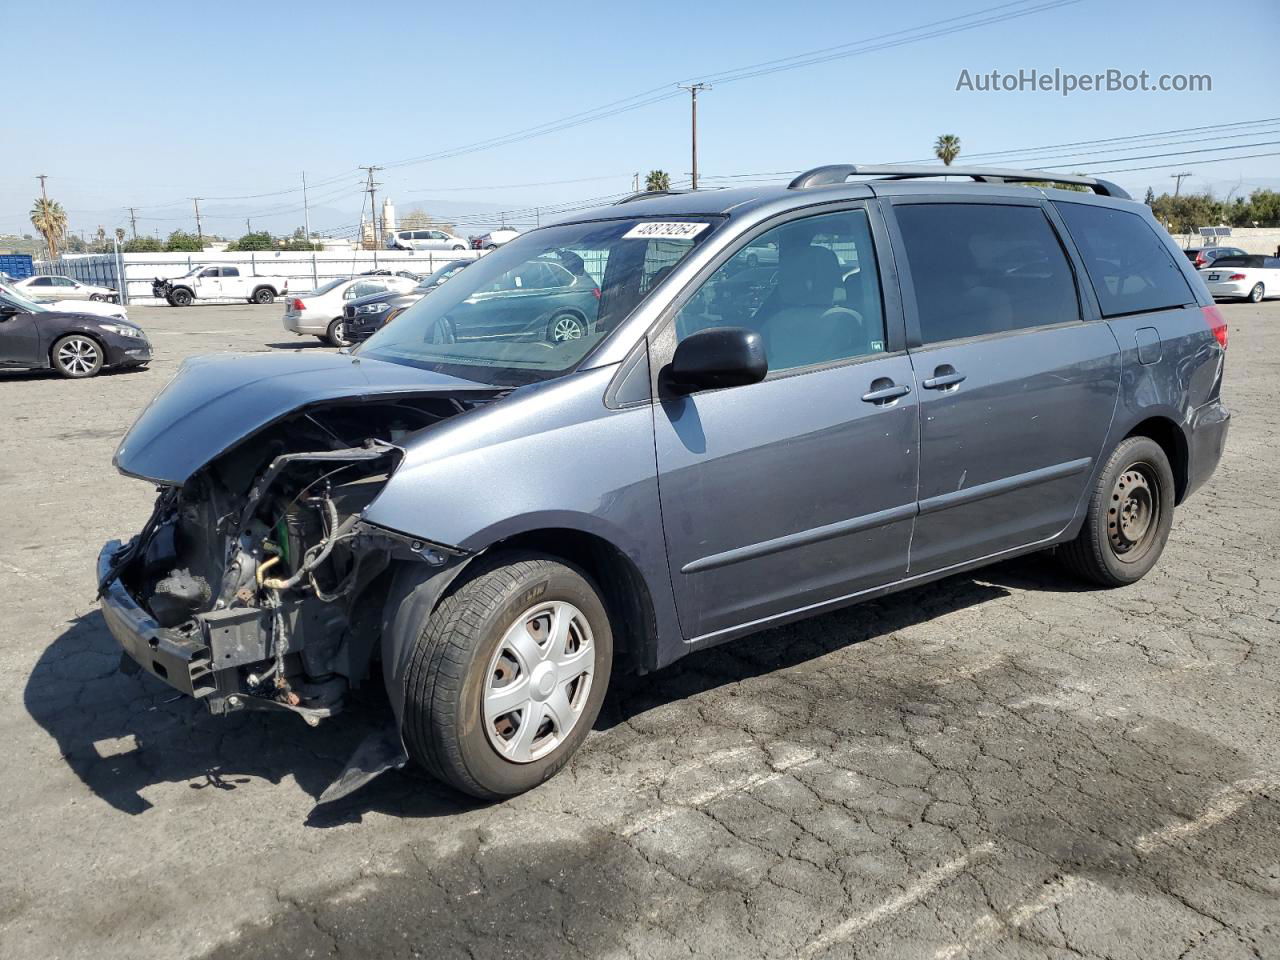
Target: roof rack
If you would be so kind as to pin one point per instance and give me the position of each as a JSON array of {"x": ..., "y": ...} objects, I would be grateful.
[
  {"x": 649, "y": 193},
  {"x": 840, "y": 172}
]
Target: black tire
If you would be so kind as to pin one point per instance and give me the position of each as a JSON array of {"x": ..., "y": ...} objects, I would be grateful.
[
  {"x": 76, "y": 356},
  {"x": 336, "y": 336},
  {"x": 97, "y": 297},
  {"x": 565, "y": 326},
  {"x": 181, "y": 297},
  {"x": 1257, "y": 293},
  {"x": 1129, "y": 517},
  {"x": 449, "y": 672},
  {"x": 458, "y": 246},
  {"x": 263, "y": 295}
]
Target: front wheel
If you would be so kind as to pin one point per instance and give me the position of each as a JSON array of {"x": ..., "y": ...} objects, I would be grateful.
[
  {"x": 1257, "y": 293},
  {"x": 76, "y": 356},
  {"x": 1129, "y": 516},
  {"x": 507, "y": 676},
  {"x": 564, "y": 327},
  {"x": 181, "y": 298},
  {"x": 97, "y": 297},
  {"x": 457, "y": 246}
]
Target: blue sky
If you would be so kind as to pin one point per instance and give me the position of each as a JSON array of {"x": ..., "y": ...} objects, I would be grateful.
[{"x": 150, "y": 103}]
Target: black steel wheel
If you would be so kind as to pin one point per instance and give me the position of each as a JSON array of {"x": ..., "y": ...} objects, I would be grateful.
[{"x": 1129, "y": 516}]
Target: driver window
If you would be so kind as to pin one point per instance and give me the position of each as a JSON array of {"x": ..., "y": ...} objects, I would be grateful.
[
  {"x": 810, "y": 287},
  {"x": 211, "y": 272}
]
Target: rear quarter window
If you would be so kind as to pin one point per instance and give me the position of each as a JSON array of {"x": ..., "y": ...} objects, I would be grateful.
[{"x": 1130, "y": 268}]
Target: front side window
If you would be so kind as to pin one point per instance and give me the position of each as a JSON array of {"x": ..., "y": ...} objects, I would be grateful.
[
  {"x": 1129, "y": 266},
  {"x": 211, "y": 272},
  {"x": 985, "y": 268},
  {"x": 533, "y": 308},
  {"x": 809, "y": 287}
]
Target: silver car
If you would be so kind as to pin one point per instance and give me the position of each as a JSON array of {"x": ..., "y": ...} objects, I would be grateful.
[
  {"x": 56, "y": 287},
  {"x": 425, "y": 240}
]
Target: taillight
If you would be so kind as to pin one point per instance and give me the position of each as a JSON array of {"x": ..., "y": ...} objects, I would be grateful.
[
  {"x": 298, "y": 305},
  {"x": 595, "y": 292},
  {"x": 1236, "y": 276},
  {"x": 1200, "y": 260},
  {"x": 1217, "y": 325}
]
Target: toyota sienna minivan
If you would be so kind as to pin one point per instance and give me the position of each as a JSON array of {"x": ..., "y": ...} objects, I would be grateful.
[{"x": 931, "y": 376}]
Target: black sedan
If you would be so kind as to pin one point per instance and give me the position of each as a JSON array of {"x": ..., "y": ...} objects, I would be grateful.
[
  {"x": 77, "y": 345},
  {"x": 365, "y": 316}
]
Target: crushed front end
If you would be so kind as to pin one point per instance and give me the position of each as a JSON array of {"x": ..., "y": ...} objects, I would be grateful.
[{"x": 255, "y": 584}]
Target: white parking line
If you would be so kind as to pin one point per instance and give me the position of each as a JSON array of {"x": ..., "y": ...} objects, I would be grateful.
[
  {"x": 989, "y": 928},
  {"x": 1224, "y": 804},
  {"x": 750, "y": 782},
  {"x": 913, "y": 894}
]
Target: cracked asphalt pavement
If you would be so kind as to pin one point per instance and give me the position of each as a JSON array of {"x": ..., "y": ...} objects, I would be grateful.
[{"x": 1002, "y": 764}]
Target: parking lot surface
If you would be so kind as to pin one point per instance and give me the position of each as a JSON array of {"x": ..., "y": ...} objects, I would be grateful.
[{"x": 1001, "y": 764}]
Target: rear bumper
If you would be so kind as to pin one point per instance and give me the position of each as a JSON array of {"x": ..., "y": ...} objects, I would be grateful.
[
  {"x": 1239, "y": 288},
  {"x": 1206, "y": 439},
  {"x": 183, "y": 662}
]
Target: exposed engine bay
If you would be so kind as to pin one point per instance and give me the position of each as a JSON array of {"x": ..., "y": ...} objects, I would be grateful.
[{"x": 266, "y": 584}]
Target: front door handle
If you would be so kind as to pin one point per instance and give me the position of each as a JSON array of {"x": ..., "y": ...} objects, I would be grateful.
[
  {"x": 944, "y": 377},
  {"x": 884, "y": 391}
]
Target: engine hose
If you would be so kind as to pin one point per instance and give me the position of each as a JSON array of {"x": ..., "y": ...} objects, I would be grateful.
[{"x": 309, "y": 562}]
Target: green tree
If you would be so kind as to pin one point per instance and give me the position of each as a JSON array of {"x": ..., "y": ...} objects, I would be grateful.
[
  {"x": 119, "y": 234},
  {"x": 658, "y": 181},
  {"x": 182, "y": 242},
  {"x": 1150, "y": 197},
  {"x": 260, "y": 240},
  {"x": 143, "y": 244},
  {"x": 946, "y": 148},
  {"x": 50, "y": 220},
  {"x": 1264, "y": 207}
]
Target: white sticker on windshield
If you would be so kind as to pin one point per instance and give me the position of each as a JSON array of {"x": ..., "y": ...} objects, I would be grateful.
[{"x": 656, "y": 230}]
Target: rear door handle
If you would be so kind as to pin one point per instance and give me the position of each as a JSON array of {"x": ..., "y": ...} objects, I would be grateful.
[
  {"x": 943, "y": 377},
  {"x": 886, "y": 393}
]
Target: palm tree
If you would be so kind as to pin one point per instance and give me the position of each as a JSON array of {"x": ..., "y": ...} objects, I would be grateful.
[
  {"x": 946, "y": 148},
  {"x": 48, "y": 217},
  {"x": 658, "y": 181}
]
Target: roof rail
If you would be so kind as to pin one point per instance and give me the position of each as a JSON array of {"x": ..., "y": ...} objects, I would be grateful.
[
  {"x": 649, "y": 193},
  {"x": 840, "y": 172}
]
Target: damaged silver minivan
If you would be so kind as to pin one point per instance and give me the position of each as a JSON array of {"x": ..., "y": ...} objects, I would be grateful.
[{"x": 490, "y": 515}]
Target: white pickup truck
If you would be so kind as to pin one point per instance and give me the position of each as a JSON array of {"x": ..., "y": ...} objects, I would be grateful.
[{"x": 214, "y": 283}]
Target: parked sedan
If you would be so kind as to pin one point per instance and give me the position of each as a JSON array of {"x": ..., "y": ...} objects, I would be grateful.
[
  {"x": 319, "y": 313},
  {"x": 364, "y": 317},
  {"x": 62, "y": 288},
  {"x": 72, "y": 342},
  {"x": 1252, "y": 277},
  {"x": 494, "y": 238},
  {"x": 1207, "y": 256}
]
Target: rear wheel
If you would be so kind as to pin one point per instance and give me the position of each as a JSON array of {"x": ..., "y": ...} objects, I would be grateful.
[
  {"x": 76, "y": 356},
  {"x": 507, "y": 676},
  {"x": 1129, "y": 516},
  {"x": 263, "y": 295},
  {"x": 564, "y": 327},
  {"x": 1257, "y": 293},
  {"x": 336, "y": 335}
]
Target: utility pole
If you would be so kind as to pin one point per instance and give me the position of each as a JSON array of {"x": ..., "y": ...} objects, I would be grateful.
[
  {"x": 373, "y": 204},
  {"x": 133, "y": 221},
  {"x": 635, "y": 182},
  {"x": 248, "y": 227},
  {"x": 693, "y": 89},
  {"x": 1178, "y": 178},
  {"x": 306, "y": 216},
  {"x": 42, "y": 177},
  {"x": 199, "y": 230}
]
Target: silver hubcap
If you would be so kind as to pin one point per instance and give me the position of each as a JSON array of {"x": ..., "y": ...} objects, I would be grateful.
[
  {"x": 538, "y": 681},
  {"x": 78, "y": 355},
  {"x": 566, "y": 328},
  {"x": 1135, "y": 504}
]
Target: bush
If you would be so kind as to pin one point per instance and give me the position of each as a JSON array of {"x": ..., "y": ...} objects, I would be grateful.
[
  {"x": 182, "y": 242},
  {"x": 142, "y": 244},
  {"x": 253, "y": 241}
]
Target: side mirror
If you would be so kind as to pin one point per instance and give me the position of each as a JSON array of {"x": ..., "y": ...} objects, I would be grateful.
[{"x": 717, "y": 357}]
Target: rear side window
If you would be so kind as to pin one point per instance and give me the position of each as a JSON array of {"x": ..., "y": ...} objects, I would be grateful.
[
  {"x": 983, "y": 268},
  {"x": 1130, "y": 268}
]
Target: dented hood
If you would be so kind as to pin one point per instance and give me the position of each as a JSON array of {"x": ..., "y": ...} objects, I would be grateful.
[{"x": 213, "y": 402}]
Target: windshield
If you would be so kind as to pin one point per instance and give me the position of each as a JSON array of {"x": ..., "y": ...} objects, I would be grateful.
[
  {"x": 532, "y": 309},
  {"x": 441, "y": 275},
  {"x": 11, "y": 297},
  {"x": 327, "y": 287}
]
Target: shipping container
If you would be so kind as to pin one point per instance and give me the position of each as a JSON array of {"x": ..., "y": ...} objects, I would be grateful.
[{"x": 16, "y": 265}]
